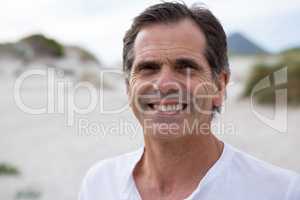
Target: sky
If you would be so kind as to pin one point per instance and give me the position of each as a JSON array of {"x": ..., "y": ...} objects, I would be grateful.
[{"x": 99, "y": 26}]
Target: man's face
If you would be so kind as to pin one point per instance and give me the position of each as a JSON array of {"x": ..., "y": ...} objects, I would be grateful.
[{"x": 171, "y": 89}]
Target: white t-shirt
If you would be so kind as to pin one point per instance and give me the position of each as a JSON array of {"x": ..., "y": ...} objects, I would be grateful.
[{"x": 235, "y": 176}]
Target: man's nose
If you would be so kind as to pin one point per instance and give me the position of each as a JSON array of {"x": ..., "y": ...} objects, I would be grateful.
[{"x": 167, "y": 81}]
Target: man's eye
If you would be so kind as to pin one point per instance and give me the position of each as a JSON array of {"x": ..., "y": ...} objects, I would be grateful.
[
  {"x": 147, "y": 68},
  {"x": 186, "y": 66}
]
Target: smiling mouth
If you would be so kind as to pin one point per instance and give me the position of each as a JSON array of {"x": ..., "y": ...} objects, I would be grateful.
[{"x": 168, "y": 108}]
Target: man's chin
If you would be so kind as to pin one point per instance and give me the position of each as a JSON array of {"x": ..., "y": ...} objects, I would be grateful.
[
  {"x": 164, "y": 134},
  {"x": 163, "y": 129}
]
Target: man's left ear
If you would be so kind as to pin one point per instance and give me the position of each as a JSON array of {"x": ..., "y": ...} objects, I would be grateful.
[{"x": 222, "y": 81}]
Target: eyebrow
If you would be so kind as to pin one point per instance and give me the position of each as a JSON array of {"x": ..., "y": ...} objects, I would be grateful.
[
  {"x": 188, "y": 61},
  {"x": 149, "y": 63},
  {"x": 178, "y": 62}
]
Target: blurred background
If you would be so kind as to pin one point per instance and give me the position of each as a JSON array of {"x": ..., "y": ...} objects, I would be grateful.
[{"x": 45, "y": 154}]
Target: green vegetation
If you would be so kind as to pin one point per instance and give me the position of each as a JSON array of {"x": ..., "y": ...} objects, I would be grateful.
[
  {"x": 290, "y": 56},
  {"x": 6, "y": 169},
  {"x": 7, "y": 48},
  {"x": 291, "y": 51},
  {"x": 10, "y": 50},
  {"x": 44, "y": 46},
  {"x": 290, "y": 59},
  {"x": 86, "y": 56},
  {"x": 28, "y": 193},
  {"x": 38, "y": 47}
]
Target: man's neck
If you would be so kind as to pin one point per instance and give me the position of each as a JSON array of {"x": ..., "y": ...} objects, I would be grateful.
[{"x": 167, "y": 165}]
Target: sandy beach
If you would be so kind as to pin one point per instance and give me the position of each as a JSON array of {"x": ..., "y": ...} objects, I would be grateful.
[{"x": 53, "y": 157}]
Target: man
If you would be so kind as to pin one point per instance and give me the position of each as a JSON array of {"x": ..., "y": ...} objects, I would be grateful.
[{"x": 175, "y": 59}]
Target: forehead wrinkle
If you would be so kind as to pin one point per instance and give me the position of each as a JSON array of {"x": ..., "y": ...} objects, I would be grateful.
[
  {"x": 168, "y": 47},
  {"x": 166, "y": 53}
]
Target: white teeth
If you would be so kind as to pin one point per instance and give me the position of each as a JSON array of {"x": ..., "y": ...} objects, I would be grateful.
[{"x": 168, "y": 108}]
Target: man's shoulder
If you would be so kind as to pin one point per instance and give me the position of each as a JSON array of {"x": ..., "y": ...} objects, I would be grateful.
[
  {"x": 108, "y": 177},
  {"x": 253, "y": 171},
  {"x": 251, "y": 164},
  {"x": 117, "y": 166}
]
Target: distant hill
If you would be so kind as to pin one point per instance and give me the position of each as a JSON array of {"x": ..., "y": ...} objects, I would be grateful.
[
  {"x": 38, "y": 46},
  {"x": 38, "y": 51},
  {"x": 238, "y": 44},
  {"x": 43, "y": 46}
]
